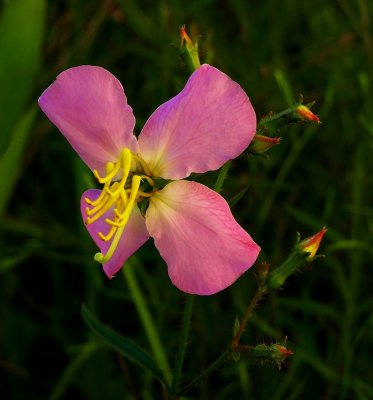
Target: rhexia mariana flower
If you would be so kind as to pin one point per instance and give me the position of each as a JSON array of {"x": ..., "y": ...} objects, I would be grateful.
[{"x": 208, "y": 123}]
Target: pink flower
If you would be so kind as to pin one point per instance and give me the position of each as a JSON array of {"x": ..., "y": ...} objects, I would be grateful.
[{"x": 208, "y": 123}]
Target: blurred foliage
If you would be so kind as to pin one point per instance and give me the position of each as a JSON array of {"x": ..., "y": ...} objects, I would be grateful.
[{"x": 319, "y": 175}]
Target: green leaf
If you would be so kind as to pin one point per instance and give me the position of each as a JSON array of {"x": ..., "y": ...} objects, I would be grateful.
[
  {"x": 11, "y": 162},
  {"x": 123, "y": 345},
  {"x": 21, "y": 34}
]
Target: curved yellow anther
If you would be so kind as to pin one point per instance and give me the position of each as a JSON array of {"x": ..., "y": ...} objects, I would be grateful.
[
  {"x": 107, "y": 237},
  {"x": 98, "y": 205},
  {"x": 98, "y": 200},
  {"x": 105, "y": 207},
  {"x": 147, "y": 178},
  {"x": 101, "y": 258},
  {"x": 111, "y": 170},
  {"x": 126, "y": 158}
]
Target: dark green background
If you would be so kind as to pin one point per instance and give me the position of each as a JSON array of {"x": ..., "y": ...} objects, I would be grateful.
[{"x": 319, "y": 175}]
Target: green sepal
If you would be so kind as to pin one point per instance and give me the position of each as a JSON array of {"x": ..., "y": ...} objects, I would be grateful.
[
  {"x": 236, "y": 326},
  {"x": 143, "y": 206},
  {"x": 278, "y": 276}
]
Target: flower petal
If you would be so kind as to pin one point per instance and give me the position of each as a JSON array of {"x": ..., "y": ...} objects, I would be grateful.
[
  {"x": 88, "y": 105},
  {"x": 134, "y": 235},
  {"x": 208, "y": 123},
  {"x": 203, "y": 245}
]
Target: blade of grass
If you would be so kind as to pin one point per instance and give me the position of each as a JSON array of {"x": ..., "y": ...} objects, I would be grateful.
[{"x": 21, "y": 34}]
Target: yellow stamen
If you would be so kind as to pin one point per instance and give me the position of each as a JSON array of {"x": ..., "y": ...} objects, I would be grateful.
[
  {"x": 126, "y": 165},
  {"x": 107, "y": 237},
  {"x": 141, "y": 193},
  {"x": 106, "y": 206},
  {"x": 147, "y": 178},
  {"x": 143, "y": 164},
  {"x": 96, "y": 208},
  {"x": 124, "y": 197},
  {"x": 111, "y": 170},
  {"x": 119, "y": 197},
  {"x": 103, "y": 201},
  {"x": 101, "y": 258}
]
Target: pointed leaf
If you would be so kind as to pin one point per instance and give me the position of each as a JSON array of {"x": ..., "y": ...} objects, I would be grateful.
[{"x": 123, "y": 345}]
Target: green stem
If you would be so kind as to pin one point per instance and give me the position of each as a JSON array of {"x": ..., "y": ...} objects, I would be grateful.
[
  {"x": 275, "y": 117},
  {"x": 221, "y": 177},
  {"x": 183, "y": 342},
  {"x": 279, "y": 275},
  {"x": 249, "y": 310},
  {"x": 147, "y": 321},
  {"x": 204, "y": 374}
]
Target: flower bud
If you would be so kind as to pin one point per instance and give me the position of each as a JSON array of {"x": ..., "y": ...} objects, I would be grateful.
[
  {"x": 276, "y": 353},
  {"x": 261, "y": 143},
  {"x": 189, "y": 50},
  {"x": 303, "y": 252},
  {"x": 306, "y": 114},
  {"x": 311, "y": 244}
]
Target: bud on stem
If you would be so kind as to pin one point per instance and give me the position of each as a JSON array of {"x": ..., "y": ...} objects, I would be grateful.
[
  {"x": 276, "y": 353},
  {"x": 189, "y": 50},
  {"x": 304, "y": 252},
  {"x": 311, "y": 244},
  {"x": 261, "y": 143},
  {"x": 279, "y": 275},
  {"x": 306, "y": 114}
]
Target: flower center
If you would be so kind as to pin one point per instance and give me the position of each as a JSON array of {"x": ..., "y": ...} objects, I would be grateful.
[{"x": 119, "y": 195}]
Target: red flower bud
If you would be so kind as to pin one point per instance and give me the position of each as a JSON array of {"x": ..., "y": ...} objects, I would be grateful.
[
  {"x": 261, "y": 143},
  {"x": 306, "y": 114},
  {"x": 189, "y": 50},
  {"x": 312, "y": 243},
  {"x": 185, "y": 38}
]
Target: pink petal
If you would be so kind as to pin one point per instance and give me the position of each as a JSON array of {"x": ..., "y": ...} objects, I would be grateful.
[
  {"x": 208, "y": 123},
  {"x": 134, "y": 235},
  {"x": 89, "y": 107},
  {"x": 203, "y": 245}
]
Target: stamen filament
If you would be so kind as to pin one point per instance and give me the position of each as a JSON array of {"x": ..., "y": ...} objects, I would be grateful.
[
  {"x": 136, "y": 180},
  {"x": 150, "y": 180},
  {"x": 124, "y": 197},
  {"x": 107, "y": 204},
  {"x": 143, "y": 164},
  {"x": 141, "y": 193},
  {"x": 107, "y": 237},
  {"x": 111, "y": 170},
  {"x": 126, "y": 165},
  {"x": 93, "y": 210},
  {"x": 100, "y": 198}
]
